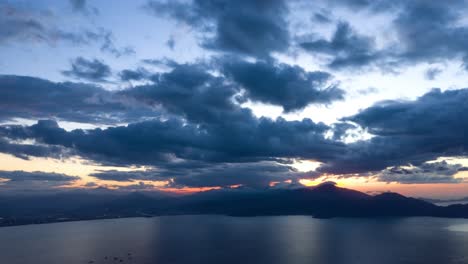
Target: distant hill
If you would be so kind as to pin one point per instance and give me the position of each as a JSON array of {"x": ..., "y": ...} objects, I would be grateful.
[
  {"x": 445, "y": 202},
  {"x": 323, "y": 201}
]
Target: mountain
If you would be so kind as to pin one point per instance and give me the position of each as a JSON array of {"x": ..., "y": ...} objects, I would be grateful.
[
  {"x": 445, "y": 202},
  {"x": 323, "y": 201}
]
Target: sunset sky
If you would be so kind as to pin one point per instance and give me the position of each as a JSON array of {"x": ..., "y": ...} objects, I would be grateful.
[{"x": 186, "y": 96}]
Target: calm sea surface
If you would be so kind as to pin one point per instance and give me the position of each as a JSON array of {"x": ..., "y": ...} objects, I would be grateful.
[{"x": 222, "y": 239}]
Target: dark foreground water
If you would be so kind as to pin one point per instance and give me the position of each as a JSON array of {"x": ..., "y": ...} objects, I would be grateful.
[{"x": 221, "y": 239}]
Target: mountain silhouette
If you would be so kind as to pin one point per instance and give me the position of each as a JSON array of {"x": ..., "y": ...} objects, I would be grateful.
[{"x": 322, "y": 201}]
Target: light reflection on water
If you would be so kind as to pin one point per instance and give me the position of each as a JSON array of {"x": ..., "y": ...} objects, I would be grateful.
[{"x": 222, "y": 239}]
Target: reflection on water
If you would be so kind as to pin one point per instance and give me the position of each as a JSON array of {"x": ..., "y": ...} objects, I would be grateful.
[{"x": 221, "y": 239}]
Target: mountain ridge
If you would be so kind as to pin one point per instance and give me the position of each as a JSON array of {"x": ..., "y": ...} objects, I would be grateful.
[{"x": 322, "y": 201}]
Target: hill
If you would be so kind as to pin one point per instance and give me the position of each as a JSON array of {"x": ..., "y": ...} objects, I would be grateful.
[{"x": 323, "y": 201}]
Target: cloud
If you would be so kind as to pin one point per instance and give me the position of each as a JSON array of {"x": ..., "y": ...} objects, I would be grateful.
[
  {"x": 91, "y": 70},
  {"x": 134, "y": 75},
  {"x": 291, "y": 87},
  {"x": 434, "y": 172},
  {"x": 198, "y": 121},
  {"x": 34, "y": 98},
  {"x": 188, "y": 121},
  {"x": 432, "y": 73},
  {"x": 407, "y": 132},
  {"x": 322, "y": 17},
  {"x": 340, "y": 130},
  {"x": 140, "y": 186},
  {"x": 160, "y": 141},
  {"x": 367, "y": 91},
  {"x": 374, "y": 5},
  {"x": 26, "y": 150},
  {"x": 19, "y": 176},
  {"x": 346, "y": 47},
  {"x": 23, "y": 24},
  {"x": 108, "y": 45},
  {"x": 436, "y": 113},
  {"x": 253, "y": 175},
  {"x": 247, "y": 27},
  {"x": 83, "y": 7},
  {"x": 33, "y": 181},
  {"x": 426, "y": 31},
  {"x": 190, "y": 91},
  {"x": 78, "y": 5},
  {"x": 204, "y": 127},
  {"x": 20, "y": 24},
  {"x": 125, "y": 176},
  {"x": 164, "y": 62},
  {"x": 171, "y": 43},
  {"x": 443, "y": 38}
]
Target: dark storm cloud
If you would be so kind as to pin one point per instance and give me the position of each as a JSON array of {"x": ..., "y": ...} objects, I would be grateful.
[
  {"x": 407, "y": 132},
  {"x": 205, "y": 126},
  {"x": 164, "y": 62},
  {"x": 436, "y": 172},
  {"x": 27, "y": 150},
  {"x": 250, "y": 27},
  {"x": 187, "y": 122},
  {"x": 254, "y": 175},
  {"x": 140, "y": 186},
  {"x": 427, "y": 31},
  {"x": 443, "y": 38},
  {"x": 34, "y": 181},
  {"x": 152, "y": 142},
  {"x": 125, "y": 176},
  {"x": 347, "y": 48},
  {"x": 134, "y": 75},
  {"x": 188, "y": 90},
  {"x": 141, "y": 143},
  {"x": 340, "y": 130},
  {"x": 20, "y": 176},
  {"x": 92, "y": 70},
  {"x": 291, "y": 87},
  {"x": 34, "y": 98},
  {"x": 436, "y": 113}
]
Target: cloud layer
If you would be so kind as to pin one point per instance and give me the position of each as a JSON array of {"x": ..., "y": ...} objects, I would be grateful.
[{"x": 187, "y": 102}]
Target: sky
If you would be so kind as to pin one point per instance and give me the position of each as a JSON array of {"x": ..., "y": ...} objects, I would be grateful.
[{"x": 187, "y": 96}]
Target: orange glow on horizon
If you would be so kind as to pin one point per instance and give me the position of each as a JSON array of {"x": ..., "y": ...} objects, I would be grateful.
[
  {"x": 188, "y": 190},
  {"x": 76, "y": 166}
]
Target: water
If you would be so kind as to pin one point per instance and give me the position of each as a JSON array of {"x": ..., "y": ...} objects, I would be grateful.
[{"x": 222, "y": 239}]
